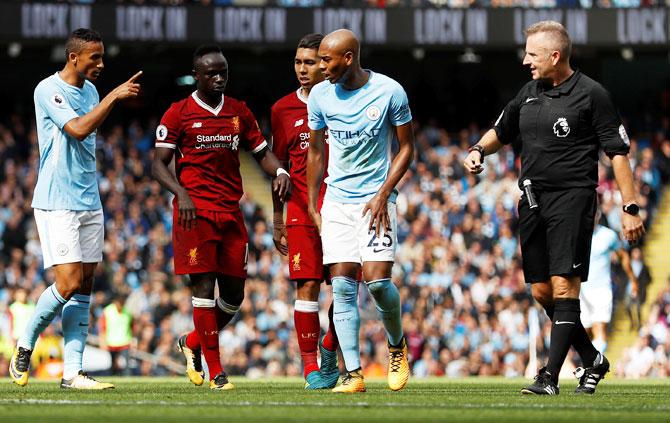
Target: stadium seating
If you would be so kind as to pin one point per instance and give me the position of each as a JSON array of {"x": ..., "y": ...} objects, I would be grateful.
[{"x": 465, "y": 304}]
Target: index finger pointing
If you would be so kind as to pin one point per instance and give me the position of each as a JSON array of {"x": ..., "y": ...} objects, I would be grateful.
[{"x": 134, "y": 77}]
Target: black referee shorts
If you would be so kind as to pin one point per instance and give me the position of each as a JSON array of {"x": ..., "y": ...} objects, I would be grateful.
[{"x": 556, "y": 237}]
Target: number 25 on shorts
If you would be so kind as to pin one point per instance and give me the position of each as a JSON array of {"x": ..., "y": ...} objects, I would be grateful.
[{"x": 380, "y": 244}]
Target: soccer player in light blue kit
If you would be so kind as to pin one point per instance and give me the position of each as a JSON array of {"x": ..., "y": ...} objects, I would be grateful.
[
  {"x": 363, "y": 111},
  {"x": 596, "y": 293},
  {"x": 68, "y": 211}
]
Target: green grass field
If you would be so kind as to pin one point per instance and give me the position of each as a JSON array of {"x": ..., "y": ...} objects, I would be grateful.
[{"x": 483, "y": 399}]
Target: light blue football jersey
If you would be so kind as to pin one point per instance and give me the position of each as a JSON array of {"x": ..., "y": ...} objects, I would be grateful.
[
  {"x": 604, "y": 242},
  {"x": 67, "y": 172},
  {"x": 361, "y": 128}
]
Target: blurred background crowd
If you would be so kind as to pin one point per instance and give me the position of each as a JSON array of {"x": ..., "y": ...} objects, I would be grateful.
[
  {"x": 466, "y": 307},
  {"x": 650, "y": 356},
  {"x": 605, "y": 4}
]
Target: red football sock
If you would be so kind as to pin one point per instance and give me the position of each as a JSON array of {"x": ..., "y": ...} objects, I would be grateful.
[
  {"x": 204, "y": 319},
  {"x": 306, "y": 318},
  {"x": 330, "y": 339},
  {"x": 224, "y": 314},
  {"x": 192, "y": 339}
]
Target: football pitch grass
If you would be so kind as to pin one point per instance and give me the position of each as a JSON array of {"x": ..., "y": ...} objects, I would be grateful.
[{"x": 283, "y": 399}]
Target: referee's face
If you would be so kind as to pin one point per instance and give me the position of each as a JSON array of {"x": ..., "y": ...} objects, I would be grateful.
[{"x": 539, "y": 57}]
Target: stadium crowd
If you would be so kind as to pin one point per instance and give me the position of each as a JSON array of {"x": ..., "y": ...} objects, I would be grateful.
[
  {"x": 587, "y": 4},
  {"x": 650, "y": 356},
  {"x": 465, "y": 303}
]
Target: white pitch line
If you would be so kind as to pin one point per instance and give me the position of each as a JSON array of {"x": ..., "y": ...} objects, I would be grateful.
[{"x": 35, "y": 401}]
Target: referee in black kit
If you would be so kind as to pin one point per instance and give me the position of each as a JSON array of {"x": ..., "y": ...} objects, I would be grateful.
[{"x": 562, "y": 119}]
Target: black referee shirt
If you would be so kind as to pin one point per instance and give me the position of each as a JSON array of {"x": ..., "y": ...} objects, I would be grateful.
[{"x": 561, "y": 130}]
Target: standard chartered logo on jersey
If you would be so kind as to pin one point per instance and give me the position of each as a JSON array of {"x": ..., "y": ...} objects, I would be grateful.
[{"x": 205, "y": 142}]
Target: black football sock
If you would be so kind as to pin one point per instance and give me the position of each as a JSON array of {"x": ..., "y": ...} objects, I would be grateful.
[
  {"x": 582, "y": 343},
  {"x": 566, "y": 318},
  {"x": 580, "y": 340}
]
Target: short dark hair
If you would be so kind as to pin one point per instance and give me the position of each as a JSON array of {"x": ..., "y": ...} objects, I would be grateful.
[
  {"x": 120, "y": 297},
  {"x": 75, "y": 42},
  {"x": 203, "y": 50},
  {"x": 310, "y": 41}
]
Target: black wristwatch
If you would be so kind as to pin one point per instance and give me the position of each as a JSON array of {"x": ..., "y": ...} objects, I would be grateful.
[
  {"x": 632, "y": 209},
  {"x": 477, "y": 148}
]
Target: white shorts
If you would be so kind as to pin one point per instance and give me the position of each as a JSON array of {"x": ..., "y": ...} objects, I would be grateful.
[
  {"x": 346, "y": 239},
  {"x": 596, "y": 305},
  {"x": 69, "y": 236}
]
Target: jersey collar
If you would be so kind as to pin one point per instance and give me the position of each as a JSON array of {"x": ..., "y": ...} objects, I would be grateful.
[
  {"x": 565, "y": 87},
  {"x": 60, "y": 81},
  {"x": 300, "y": 96},
  {"x": 205, "y": 106}
]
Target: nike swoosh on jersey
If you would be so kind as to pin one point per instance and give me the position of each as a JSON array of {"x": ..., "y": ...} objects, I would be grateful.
[{"x": 564, "y": 322}]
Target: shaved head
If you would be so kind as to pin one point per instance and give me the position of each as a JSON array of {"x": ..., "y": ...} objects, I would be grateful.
[
  {"x": 340, "y": 53},
  {"x": 343, "y": 41}
]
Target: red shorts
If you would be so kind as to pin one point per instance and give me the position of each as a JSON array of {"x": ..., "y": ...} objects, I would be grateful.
[
  {"x": 305, "y": 256},
  {"x": 217, "y": 243}
]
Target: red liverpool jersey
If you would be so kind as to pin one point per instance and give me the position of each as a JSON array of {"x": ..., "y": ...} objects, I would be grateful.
[
  {"x": 290, "y": 142},
  {"x": 207, "y": 140}
]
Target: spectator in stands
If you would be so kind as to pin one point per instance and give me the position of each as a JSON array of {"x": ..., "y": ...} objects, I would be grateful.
[
  {"x": 116, "y": 334},
  {"x": 634, "y": 300}
]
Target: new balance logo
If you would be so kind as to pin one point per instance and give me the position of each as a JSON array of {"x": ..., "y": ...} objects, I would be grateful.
[
  {"x": 299, "y": 122},
  {"x": 197, "y": 125},
  {"x": 562, "y": 322}
]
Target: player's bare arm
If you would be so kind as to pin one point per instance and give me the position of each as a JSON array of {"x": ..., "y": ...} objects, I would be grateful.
[
  {"x": 166, "y": 177},
  {"x": 377, "y": 206},
  {"x": 279, "y": 226},
  {"x": 315, "y": 173},
  {"x": 624, "y": 257},
  {"x": 83, "y": 126},
  {"x": 281, "y": 183},
  {"x": 632, "y": 226},
  {"x": 474, "y": 162}
]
